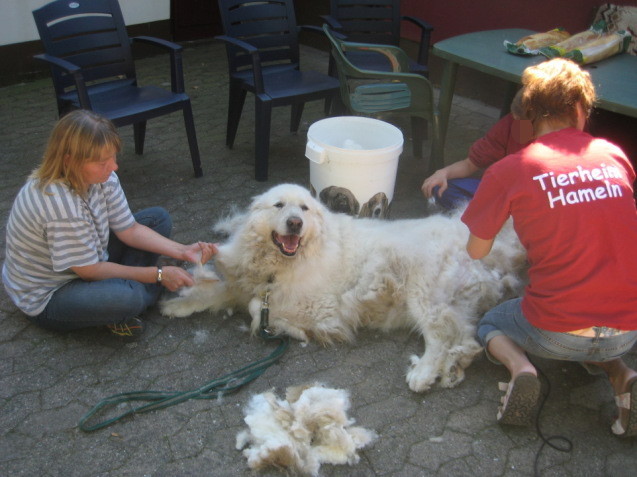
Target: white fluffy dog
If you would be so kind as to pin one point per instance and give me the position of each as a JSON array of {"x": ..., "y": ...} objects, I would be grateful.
[
  {"x": 309, "y": 428},
  {"x": 327, "y": 274}
]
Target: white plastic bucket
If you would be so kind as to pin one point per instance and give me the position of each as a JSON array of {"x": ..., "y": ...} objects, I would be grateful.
[{"x": 353, "y": 164}]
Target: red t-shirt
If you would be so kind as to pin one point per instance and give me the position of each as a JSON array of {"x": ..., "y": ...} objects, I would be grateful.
[
  {"x": 571, "y": 199},
  {"x": 505, "y": 137}
]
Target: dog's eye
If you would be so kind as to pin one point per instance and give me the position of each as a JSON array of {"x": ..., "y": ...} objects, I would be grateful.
[
  {"x": 279, "y": 205},
  {"x": 305, "y": 208}
]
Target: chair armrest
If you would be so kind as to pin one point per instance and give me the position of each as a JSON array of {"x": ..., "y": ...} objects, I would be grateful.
[
  {"x": 333, "y": 23},
  {"x": 409, "y": 78},
  {"x": 396, "y": 56},
  {"x": 422, "y": 24},
  {"x": 320, "y": 31},
  {"x": 75, "y": 71},
  {"x": 254, "y": 55},
  {"x": 244, "y": 45},
  {"x": 425, "y": 37},
  {"x": 169, "y": 45},
  {"x": 58, "y": 62},
  {"x": 311, "y": 28},
  {"x": 176, "y": 62}
]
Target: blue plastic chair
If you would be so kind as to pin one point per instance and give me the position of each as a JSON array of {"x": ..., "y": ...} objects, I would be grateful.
[
  {"x": 89, "y": 53},
  {"x": 263, "y": 58}
]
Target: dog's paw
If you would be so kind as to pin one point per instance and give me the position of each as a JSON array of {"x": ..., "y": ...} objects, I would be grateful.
[
  {"x": 452, "y": 377},
  {"x": 178, "y": 307},
  {"x": 420, "y": 377}
]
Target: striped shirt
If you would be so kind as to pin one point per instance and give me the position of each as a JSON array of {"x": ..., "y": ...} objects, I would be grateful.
[{"x": 50, "y": 231}]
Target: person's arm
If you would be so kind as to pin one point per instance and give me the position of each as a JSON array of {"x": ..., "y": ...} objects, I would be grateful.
[
  {"x": 478, "y": 248},
  {"x": 143, "y": 238},
  {"x": 459, "y": 169},
  {"x": 173, "y": 278}
]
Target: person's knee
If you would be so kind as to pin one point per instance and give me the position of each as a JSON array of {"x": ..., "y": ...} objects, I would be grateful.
[
  {"x": 156, "y": 218},
  {"x": 133, "y": 299},
  {"x": 487, "y": 331},
  {"x": 458, "y": 193}
]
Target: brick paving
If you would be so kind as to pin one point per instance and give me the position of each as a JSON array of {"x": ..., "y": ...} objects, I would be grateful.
[{"x": 48, "y": 381}]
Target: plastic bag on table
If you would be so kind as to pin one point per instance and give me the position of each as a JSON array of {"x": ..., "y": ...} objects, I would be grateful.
[
  {"x": 531, "y": 44},
  {"x": 603, "y": 47},
  {"x": 559, "y": 49}
]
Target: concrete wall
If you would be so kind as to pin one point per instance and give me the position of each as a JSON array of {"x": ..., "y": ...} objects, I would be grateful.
[
  {"x": 17, "y": 26},
  {"x": 19, "y": 39},
  {"x": 455, "y": 17}
]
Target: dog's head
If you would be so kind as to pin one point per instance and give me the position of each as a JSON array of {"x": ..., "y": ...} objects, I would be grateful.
[
  {"x": 339, "y": 199},
  {"x": 288, "y": 216},
  {"x": 376, "y": 207}
]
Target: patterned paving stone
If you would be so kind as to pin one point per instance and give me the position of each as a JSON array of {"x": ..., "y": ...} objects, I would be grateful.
[{"x": 48, "y": 381}]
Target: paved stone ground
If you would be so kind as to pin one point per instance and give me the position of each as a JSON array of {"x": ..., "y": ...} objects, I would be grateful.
[{"x": 48, "y": 381}]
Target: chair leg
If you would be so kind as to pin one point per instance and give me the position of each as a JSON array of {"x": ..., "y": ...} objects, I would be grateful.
[
  {"x": 337, "y": 107},
  {"x": 192, "y": 139},
  {"x": 263, "y": 113},
  {"x": 295, "y": 118},
  {"x": 237, "y": 96},
  {"x": 327, "y": 108},
  {"x": 139, "y": 133},
  {"x": 436, "y": 160},
  {"x": 418, "y": 127},
  {"x": 331, "y": 71}
]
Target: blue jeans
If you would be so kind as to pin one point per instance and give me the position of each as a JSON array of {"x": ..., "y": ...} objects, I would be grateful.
[
  {"x": 81, "y": 304},
  {"x": 507, "y": 319}
]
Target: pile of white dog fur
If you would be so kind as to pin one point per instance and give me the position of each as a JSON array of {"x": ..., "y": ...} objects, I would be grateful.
[{"x": 297, "y": 434}]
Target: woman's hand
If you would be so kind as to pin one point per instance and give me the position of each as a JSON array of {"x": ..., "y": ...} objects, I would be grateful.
[
  {"x": 199, "y": 252},
  {"x": 438, "y": 178},
  {"x": 457, "y": 170},
  {"x": 174, "y": 278}
]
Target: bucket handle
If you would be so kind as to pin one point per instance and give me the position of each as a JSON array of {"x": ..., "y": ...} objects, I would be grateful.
[{"x": 315, "y": 153}]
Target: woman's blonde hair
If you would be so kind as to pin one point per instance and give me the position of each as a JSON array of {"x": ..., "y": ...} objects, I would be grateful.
[
  {"x": 551, "y": 92},
  {"x": 77, "y": 138}
]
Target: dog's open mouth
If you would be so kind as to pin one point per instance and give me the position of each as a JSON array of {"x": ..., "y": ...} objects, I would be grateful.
[{"x": 288, "y": 244}]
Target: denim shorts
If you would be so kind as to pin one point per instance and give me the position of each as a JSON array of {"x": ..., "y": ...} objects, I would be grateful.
[{"x": 507, "y": 319}]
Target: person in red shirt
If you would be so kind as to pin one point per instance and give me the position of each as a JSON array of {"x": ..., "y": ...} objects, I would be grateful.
[
  {"x": 456, "y": 183},
  {"x": 570, "y": 198}
]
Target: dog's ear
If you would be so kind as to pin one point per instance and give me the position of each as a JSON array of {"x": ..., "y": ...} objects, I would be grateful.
[
  {"x": 354, "y": 206},
  {"x": 365, "y": 210},
  {"x": 317, "y": 220},
  {"x": 326, "y": 194},
  {"x": 230, "y": 223}
]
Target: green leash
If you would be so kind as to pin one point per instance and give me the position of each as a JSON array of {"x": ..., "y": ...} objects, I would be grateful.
[{"x": 219, "y": 387}]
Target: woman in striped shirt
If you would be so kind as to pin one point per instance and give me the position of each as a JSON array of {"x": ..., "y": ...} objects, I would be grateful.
[{"x": 76, "y": 256}]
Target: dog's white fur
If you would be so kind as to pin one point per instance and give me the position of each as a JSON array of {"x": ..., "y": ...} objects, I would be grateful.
[
  {"x": 349, "y": 272},
  {"x": 308, "y": 428}
]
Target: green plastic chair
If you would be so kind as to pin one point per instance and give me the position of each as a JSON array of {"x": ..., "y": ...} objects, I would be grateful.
[{"x": 370, "y": 93}]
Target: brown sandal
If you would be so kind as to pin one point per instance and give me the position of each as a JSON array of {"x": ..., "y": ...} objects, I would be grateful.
[{"x": 520, "y": 402}]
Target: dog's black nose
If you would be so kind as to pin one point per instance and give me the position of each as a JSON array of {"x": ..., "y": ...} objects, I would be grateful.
[{"x": 294, "y": 225}]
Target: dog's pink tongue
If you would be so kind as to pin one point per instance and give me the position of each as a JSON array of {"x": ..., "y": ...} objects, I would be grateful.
[{"x": 290, "y": 242}]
